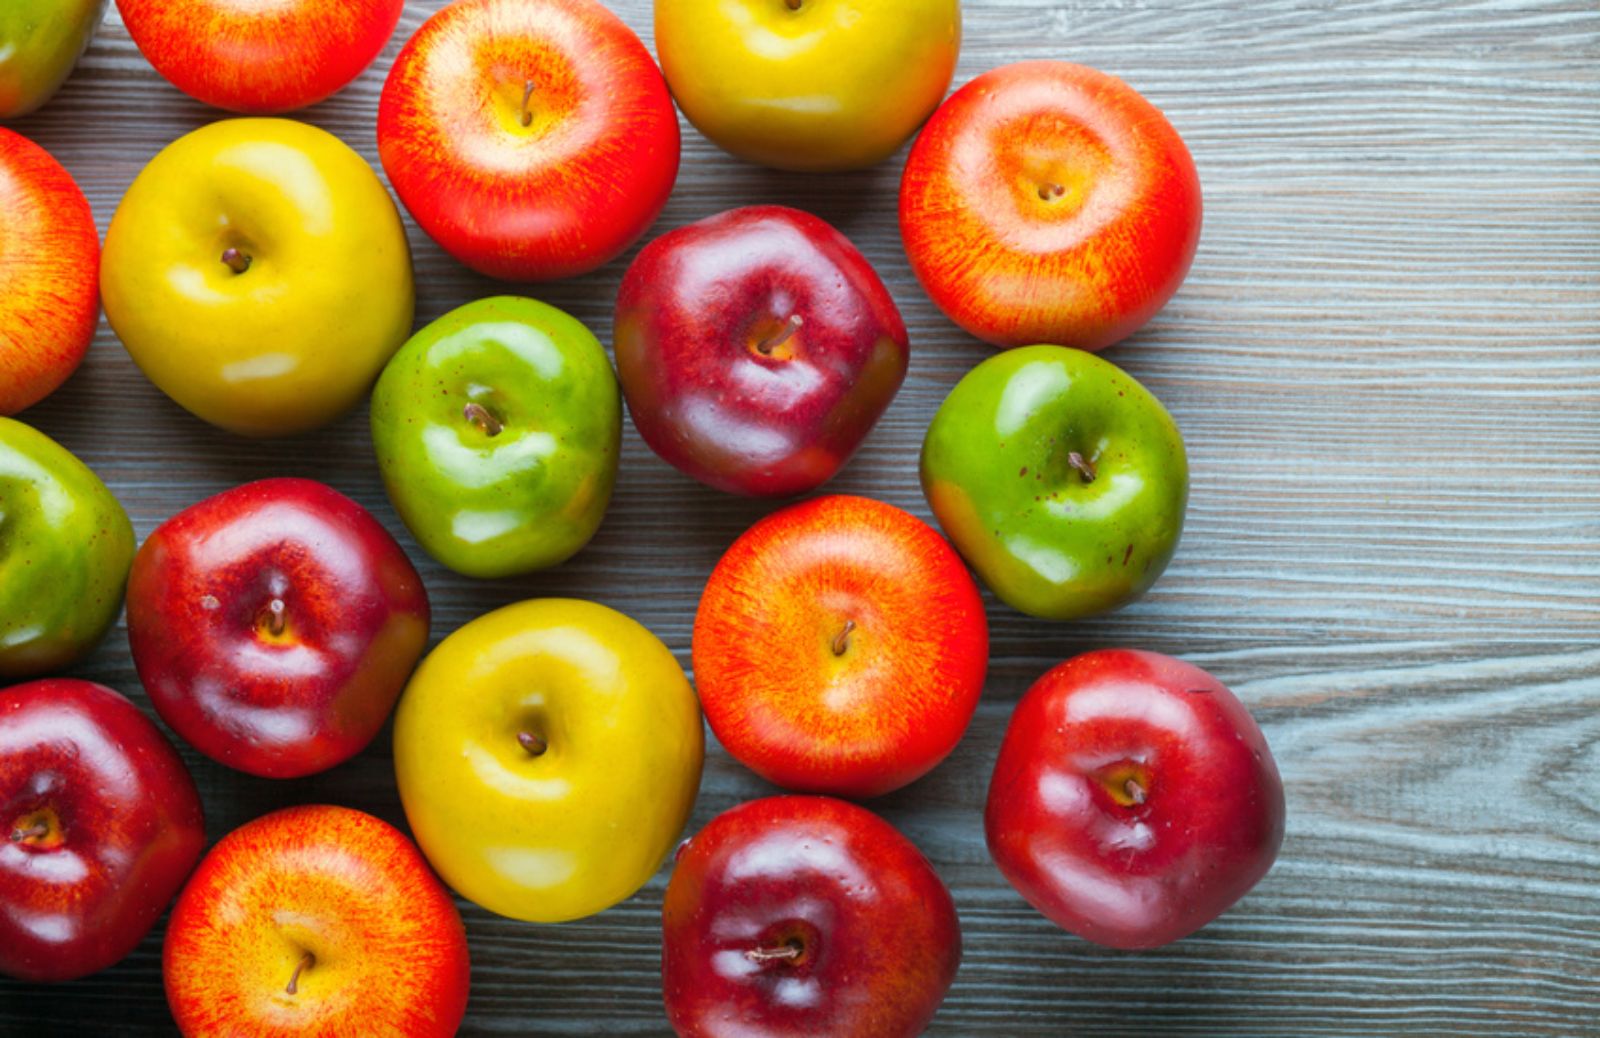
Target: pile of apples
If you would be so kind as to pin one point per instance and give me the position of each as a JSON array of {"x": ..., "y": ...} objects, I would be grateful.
[{"x": 548, "y": 754}]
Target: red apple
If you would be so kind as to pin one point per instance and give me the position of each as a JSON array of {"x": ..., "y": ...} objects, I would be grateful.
[
  {"x": 1134, "y": 800},
  {"x": 260, "y": 57},
  {"x": 275, "y": 625},
  {"x": 532, "y": 139},
  {"x": 840, "y": 647},
  {"x": 1050, "y": 203},
  {"x": 316, "y": 921},
  {"x": 793, "y": 917},
  {"x": 99, "y": 825},
  {"x": 49, "y": 274},
  {"x": 757, "y": 348}
]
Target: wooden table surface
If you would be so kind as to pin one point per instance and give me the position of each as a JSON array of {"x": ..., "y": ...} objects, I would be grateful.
[{"x": 1386, "y": 363}]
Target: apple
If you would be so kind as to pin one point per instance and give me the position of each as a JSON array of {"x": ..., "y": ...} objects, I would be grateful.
[
  {"x": 1049, "y": 202},
  {"x": 259, "y": 274},
  {"x": 274, "y": 626},
  {"x": 548, "y": 754},
  {"x": 798, "y": 916},
  {"x": 840, "y": 647},
  {"x": 532, "y": 139},
  {"x": 1134, "y": 800},
  {"x": 40, "y": 44},
  {"x": 65, "y": 548},
  {"x": 49, "y": 271},
  {"x": 1059, "y": 478},
  {"x": 757, "y": 348},
  {"x": 99, "y": 825},
  {"x": 315, "y": 921},
  {"x": 815, "y": 85},
  {"x": 497, "y": 429},
  {"x": 261, "y": 56}
]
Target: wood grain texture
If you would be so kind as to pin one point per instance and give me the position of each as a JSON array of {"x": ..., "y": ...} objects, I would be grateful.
[{"x": 1387, "y": 366}]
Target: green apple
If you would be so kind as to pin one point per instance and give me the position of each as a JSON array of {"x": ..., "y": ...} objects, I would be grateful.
[
  {"x": 65, "y": 548},
  {"x": 497, "y": 429},
  {"x": 1059, "y": 478},
  {"x": 40, "y": 42}
]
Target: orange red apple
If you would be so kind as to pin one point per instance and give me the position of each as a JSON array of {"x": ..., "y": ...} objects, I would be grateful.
[
  {"x": 49, "y": 273},
  {"x": 532, "y": 139},
  {"x": 1047, "y": 202},
  {"x": 260, "y": 58},
  {"x": 315, "y": 920},
  {"x": 840, "y": 647}
]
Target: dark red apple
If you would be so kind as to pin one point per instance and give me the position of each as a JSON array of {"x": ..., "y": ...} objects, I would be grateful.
[
  {"x": 274, "y": 626},
  {"x": 1134, "y": 800},
  {"x": 99, "y": 826},
  {"x": 797, "y": 916},
  {"x": 757, "y": 349}
]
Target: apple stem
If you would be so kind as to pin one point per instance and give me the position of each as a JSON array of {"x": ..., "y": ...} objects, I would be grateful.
[
  {"x": 527, "y": 94},
  {"x": 275, "y": 616},
  {"x": 1084, "y": 466},
  {"x": 1049, "y": 191},
  {"x": 781, "y": 336},
  {"x": 1136, "y": 792},
  {"x": 794, "y": 5},
  {"x": 788, "y": 951},
  {"x": 33, "y": 832},
  {"x": 479, "y": 415},
  {"x": 307, "y": 961},
  {"x": 841, "y": 641},
  {"x": 532, "y": 743},
  {"x": 236, "y": 261}
]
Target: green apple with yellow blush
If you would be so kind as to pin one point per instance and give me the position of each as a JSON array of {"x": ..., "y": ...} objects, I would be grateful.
[
  {"x": 1059, "y": 478},
  {"x": 40, "y": 44},
  {"x": 497, "y": 429}
]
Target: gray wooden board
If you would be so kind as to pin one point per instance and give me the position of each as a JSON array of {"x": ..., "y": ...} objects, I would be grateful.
[{"x": 1387, "y": 366}]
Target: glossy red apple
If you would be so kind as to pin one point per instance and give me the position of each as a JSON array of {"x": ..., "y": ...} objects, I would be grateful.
[
  {"x": 840, "y": 647},
  {"x": 316, "y": 921},
  {"x": 1134, "y": 800},
  {"x": 1047, "y": 202},
  {"x": 260, "y": 57},
  {"x": 794, "y": 917},
  {"x": 757, "y": 348},
  {"x": 49, "y": 274},
  {"x": 274, "y": 626},
  {"x": 99, "y": 826},
  {"x": 532, "y": 139}
]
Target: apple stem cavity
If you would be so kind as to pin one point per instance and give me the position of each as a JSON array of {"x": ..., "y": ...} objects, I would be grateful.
[
  {"x": 841, "y": 641},
  {"x": 781, "y": 336},
  {"x": 235, "y": 260},
  {"x": 1049, "y": 191},
  {"x": 307, "y": 961},
  {"x": 535, "y": 746},
  {"x": 788, "y": 952},
  {"x": 1085, "y": 466},
  {"x": 527, "y": 94},
  {"x": 479, "y": 415}
]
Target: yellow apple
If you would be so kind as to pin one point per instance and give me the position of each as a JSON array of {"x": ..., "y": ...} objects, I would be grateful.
[
  {"x": 813, "y": 85},
  {"x": 548, "y": 755},
  {"x": 258, "y": 273}
]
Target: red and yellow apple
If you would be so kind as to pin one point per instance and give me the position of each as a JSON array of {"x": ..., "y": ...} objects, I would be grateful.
[
  {"x": 1047, "y": 202},
  {"x": 316, "y": 921},
  {"x": 258, "y": 273},
  {"x": 49, "y": 271},
  {"x": 261, "y": 56},
  {"x": 100, "y": 824},
  {"x": 1134, "y": 799},
  {"x": 532, "y": 139},
  {"x": 840, "y": 647},
  {"x": 274, "y": 626}
]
